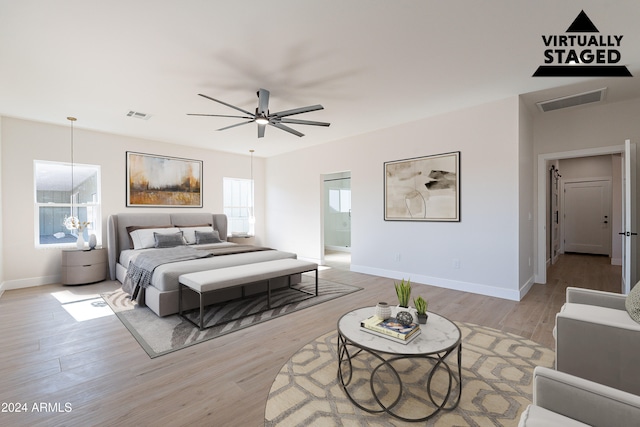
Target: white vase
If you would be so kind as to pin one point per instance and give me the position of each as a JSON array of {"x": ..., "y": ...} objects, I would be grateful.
[
  {"x": 383, "y": 310},
  {"x": 93, "y": 241},
  {"x": 80, "y": 241}
]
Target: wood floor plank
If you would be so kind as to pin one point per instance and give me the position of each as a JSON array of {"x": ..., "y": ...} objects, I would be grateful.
[{"x": 100, "y": 370}]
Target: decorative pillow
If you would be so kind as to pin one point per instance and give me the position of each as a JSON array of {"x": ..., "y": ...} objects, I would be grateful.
[
  {"x": 203, "y": 237},
  {"x": 144, "y": 238},
  {"x": 168, "y": 240},
  {"x": 632, "y": 303},
  {"x": 190, "y": 232},
  {"x": 133, "y": 228}
]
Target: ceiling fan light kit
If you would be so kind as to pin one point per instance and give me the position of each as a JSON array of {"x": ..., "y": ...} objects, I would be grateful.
[{"x": 262, "y": 117}]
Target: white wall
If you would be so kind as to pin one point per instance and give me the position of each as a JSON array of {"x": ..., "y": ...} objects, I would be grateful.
[
  {"x": 23, "y": 141},
  {"x": 1, "y": 232},
  {"x": 525, "y": 193},
  {"x": 485, "y": 241}
]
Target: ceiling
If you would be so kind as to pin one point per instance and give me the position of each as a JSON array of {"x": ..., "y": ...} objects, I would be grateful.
[{"x": 371, "y": 63}]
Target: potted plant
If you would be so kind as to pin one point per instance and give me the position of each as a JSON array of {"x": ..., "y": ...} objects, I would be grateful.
[
  {"x": 421, "y": 307},
  {"x": 403, "y": 290}
]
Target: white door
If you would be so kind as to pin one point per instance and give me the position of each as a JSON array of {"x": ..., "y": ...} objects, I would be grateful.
[
  {"x": 629, "y": 277},
  {"x": 587, "y": 217}
]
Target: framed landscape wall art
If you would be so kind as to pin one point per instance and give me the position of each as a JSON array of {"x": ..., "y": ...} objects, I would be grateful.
[
  {"x": 423, "y": 188},
  {"x": 161, "y": 181}
]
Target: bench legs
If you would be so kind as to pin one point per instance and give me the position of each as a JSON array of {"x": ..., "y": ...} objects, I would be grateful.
[{"x": 269, "y": 307}]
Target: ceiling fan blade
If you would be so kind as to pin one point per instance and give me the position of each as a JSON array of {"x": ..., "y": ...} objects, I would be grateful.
[
  {"x": 219, "y": 115},
  {"x": 261, "y": 129},
  {"x": 263, "y": 101},
  {"x": 304, "y": 122},
  {"x": 228, "y": 105},
  {"x": 286, "y": 128},
  {"x": 237, "y": 124},
  {"x": 297, "y": 111}
]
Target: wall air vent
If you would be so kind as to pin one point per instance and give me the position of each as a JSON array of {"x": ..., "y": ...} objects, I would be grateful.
[
  {"x": 138, "y": 115},
  {"x": 572, "y": 100}
]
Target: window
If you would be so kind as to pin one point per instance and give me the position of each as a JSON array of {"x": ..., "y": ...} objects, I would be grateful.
[
  {"x": 238, "y": 205},
  {"x": 340, "y": 199},
  {"x": 59, "y": 195}
]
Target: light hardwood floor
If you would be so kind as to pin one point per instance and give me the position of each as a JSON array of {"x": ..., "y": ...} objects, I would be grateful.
[{"x": 99, "y": 369}]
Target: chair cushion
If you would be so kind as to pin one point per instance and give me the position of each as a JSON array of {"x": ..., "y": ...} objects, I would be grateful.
[
  {"x": 535, "y": 416},
  {"x": 632, "y": 303}
]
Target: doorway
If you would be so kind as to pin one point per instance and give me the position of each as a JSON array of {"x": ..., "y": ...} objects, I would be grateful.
[
  {"x": 337, "y": 213},
  {"x": 545, "y": 214}
]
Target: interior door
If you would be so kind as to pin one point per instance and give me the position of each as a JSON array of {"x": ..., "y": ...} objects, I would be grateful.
[
  {"x": 587, "y": 217},
  {"x": 629, "y": 247}
]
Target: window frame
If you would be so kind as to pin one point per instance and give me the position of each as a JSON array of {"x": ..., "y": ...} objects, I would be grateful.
[
  {"x": 249, "y": 207},
  {"x": 95, "y": 206}
]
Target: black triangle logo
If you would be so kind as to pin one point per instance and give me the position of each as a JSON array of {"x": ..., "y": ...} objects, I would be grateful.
[{"x": 582, "y": 24}]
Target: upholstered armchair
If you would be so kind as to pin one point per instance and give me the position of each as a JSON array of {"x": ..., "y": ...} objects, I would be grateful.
[
  {"x": 596, "y": 339},
  {"x": 560, "y": 399}
]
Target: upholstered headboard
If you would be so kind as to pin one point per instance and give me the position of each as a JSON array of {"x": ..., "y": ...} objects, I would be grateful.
[{"x": 118, "y": 237}]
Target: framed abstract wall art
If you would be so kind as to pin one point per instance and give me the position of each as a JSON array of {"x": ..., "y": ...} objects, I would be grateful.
[
  {"x": 423, "y": 188},
  {"x": 161, "y": 181}
]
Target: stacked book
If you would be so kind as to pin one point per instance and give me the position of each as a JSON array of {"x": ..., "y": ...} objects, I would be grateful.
[{"x": 391, "y": 328}]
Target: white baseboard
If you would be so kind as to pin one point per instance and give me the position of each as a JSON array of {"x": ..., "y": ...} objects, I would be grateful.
[
  {"x": 526, "y": 287},
  {"x": 338, "y": 248},
  {"x": 474, "y": 288},
  {"x": 316, "y": 260},
  {"x": 31, "y": 282}
]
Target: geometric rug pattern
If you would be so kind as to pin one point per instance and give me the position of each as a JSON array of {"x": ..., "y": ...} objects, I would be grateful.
[
  {"x": 497, "y": 372},
  {"x": 163, "y": 335}
]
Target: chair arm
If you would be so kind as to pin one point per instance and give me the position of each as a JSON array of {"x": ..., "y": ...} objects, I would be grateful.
[
  {"x": 599, "y": 344},
  {"x": 593, "y": 297},
  {"x": 582, "y": 400}
]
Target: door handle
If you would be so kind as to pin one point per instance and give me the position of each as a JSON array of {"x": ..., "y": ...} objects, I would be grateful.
[{"x": 628, "y": 234}]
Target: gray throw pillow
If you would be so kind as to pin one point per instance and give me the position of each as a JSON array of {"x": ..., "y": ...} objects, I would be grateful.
[
  {"x": 204, "y": 237},
  {"x": 168, "y": 240},
  {"x": 632, "y": 303}
]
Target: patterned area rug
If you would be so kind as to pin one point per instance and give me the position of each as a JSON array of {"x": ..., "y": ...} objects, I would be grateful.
[
  {"x": 162, "y": 335},
  {"x": 497, "y": 372}
]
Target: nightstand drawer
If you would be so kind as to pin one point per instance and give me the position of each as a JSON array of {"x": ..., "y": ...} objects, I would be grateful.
[
  {"x": 81, "y": 274},
  {"x": 79, "y": 257}
]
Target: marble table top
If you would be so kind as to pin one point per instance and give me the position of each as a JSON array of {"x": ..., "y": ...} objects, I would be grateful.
[{"x": 438, "y": 335}]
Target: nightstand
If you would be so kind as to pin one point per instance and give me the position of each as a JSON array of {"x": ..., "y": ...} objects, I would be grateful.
[
  {"x": 80, "y": 267},
  {"x": 242, "y": 240}
]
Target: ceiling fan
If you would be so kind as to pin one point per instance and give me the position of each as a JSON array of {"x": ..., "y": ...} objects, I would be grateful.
[{"x": 263, "y": 117}]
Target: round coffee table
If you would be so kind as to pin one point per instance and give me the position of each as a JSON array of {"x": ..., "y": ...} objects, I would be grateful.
[{"x": 398, "y": 372}]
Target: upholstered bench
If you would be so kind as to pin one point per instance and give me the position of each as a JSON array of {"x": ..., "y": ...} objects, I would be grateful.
[{"x": 241, "y": 275}]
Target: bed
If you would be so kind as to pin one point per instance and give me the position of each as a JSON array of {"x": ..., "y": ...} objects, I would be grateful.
[{"x": 130, "y": 235}]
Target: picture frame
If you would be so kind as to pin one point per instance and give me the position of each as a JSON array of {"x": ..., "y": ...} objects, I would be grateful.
[
  {"x": 163, "y": 181},
  {"x": 423, "y": 188}
]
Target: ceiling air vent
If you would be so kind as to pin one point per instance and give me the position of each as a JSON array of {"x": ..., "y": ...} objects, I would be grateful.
[
  {"x": 138, "y": 115},
  {"x": 572, "y": 100}
]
